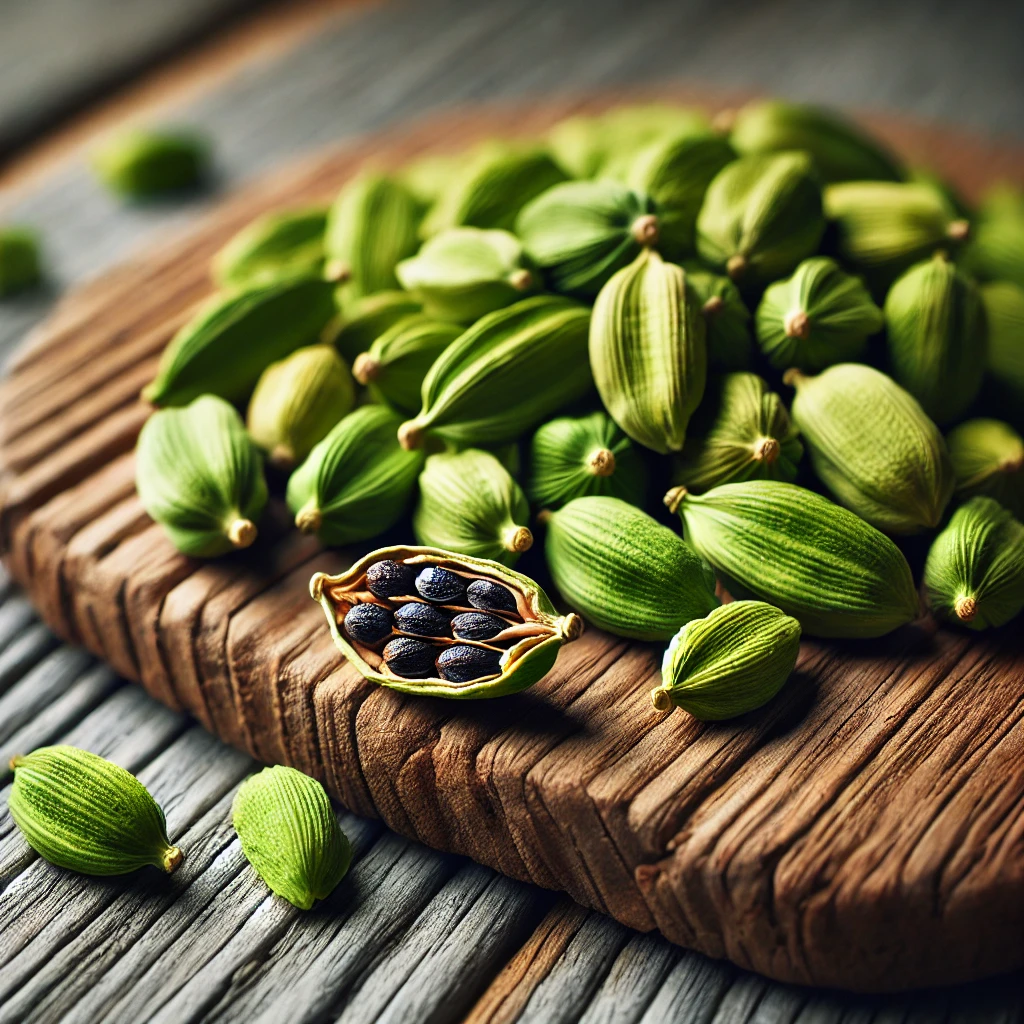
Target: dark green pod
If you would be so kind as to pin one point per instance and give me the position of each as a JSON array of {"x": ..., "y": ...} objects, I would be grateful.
[
  {"x": 730, "y": 345},
  {"x": 988, "y": 459},
  {"x": 19, "y": 260},
  {"x": 141, "y": 164}
]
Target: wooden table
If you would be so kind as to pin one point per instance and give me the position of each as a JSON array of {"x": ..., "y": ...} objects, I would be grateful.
[{"x": 412, "y": 934}]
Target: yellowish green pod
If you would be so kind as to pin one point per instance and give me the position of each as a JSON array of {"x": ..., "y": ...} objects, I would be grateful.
[
  {"x": 143, "y": 163},
  {"x": 1004, "y": 385},
  {"x": 276, "y": 245},
  {"x": 988, "y": 459},
  {"x": 19, "y": 260},
  {"x": 728, "y": 340},
  {"x": 996, "y": 250}
]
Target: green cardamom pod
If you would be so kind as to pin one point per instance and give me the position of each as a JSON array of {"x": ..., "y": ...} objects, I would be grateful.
[
  {"x": 840, "y": 150},
  {"x": 974, "y": 573},
  {"x": 1004, "y": 386},
  {"x": 199, "y": 476},
  {"x": 274, "y": 246},
  {"x": 461, "y": 274},
  {"x": 470, "y": 504},
  {"x": 874, "y": 447},
  {"x": 400, "y": 358},
  {"x": 778, "y": 542},
  {"x": 361, "y": 321},
  {"x": 508, "y": 372},
  {"x": 372, "y": 225},
  {"x": 571, "y": 458},
  {"x": 727, "y": 335},
  {"x": 937, "y": 337},
  {"x": 357, "y": 482},
  {"x": 732, "y": 661},
  {"x": 429, "y": 175},
  {"x": 482, "y": 630},
  {"x": 297, "y": 401},
  {"x": 141, "y": 163},
  {"x": 988, "y": 459},
  {"x": 819, "y": 316},
  {"x": 623, "y": 571},
  {"x": 580, "y": 232},
  {"x": 225, "y": 347},
  {"x": 761, "y": 216},
  {"x": 741, "y": 432},
  {"x": 19, "y": 261},
  {"x": 290, "y": 835},
  {"x": 647, "y": 351},
  {"x": 997, "y": 244},
  {"x": 82, "y": 812}
]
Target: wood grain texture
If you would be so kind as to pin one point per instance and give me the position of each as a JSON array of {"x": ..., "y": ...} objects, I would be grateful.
[{"x": 856, "y": 833}]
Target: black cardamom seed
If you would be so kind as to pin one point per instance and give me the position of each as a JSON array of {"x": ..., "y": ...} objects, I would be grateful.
[
  {"x": 423, "y": 620},
  {"x": 410, "y": 659},
  {"x": 390, "y": 579},
  {"x": 492, "y": 597},
  {"x": 477, "y": 626},
  {"x": 368, "y": 623},
  {"x": 440, "y": 585},
  {"x": 463, "y": 664}
]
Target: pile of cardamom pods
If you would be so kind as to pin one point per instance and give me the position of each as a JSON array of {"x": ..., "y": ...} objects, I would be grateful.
[{"x": 586, "y": 334}]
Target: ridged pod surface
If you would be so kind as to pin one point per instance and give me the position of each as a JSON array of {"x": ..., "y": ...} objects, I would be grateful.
[
  {"x": 274, "y": 246},
  {"x": 361, "y": 321},
  {"x": 988, "y": 459},
  {"x": 729, "y": 342},
  {"x": 1004, "y": 315},
  {"x": 996, "y": 251}
]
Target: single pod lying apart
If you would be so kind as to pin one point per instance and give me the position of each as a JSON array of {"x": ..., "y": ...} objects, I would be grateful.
[
  {"x": 470, "y": 504},
  {"x": 1004, "y": 316},
  {"x": 430, "y": 622},
  {"x": 791, "y": 547},
  {"x": 988, "y": 459},
  {"x": 742, "y": 432},
  {"x": 974, "y": 574},
  {"x": 729, "y": 343},
  {"x": 80, "y": 811},
  {"x": 573, "y": 457},
  {"x": 225, "y": 347},
  {"x": 647, "y": 351},
  {"x": 200, "y": 477},
  {"x": 732, "y": 661},
  {"x": 512, "y": 369},
  {"x": 819, "y": 316},
  {"x": 274, "y": 246},
  {"x": 360, "y": 321},
  {"x": 144, "y": 163},
  {"x": 625, "y": 572},
  {"x": 872, "y": 445},
  {"x": 357, "y": 482},
  {"x": 19, "y": 260},
  {"x": 290, "y": 834}
]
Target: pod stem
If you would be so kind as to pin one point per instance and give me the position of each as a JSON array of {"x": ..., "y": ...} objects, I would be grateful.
[
  {"x": 966, "y": 608},
  {"x": 517, "y": 539},
  {"x": 767, "y": 449},
  {"x": 645, "y": 229},
  {"x": 660, "y": 699},
  {"x": 308, "y": 518},
  {"x": 674, "y": 498},
  {"x": 797, "y": 324},
  {"x": 365, "y": 368},
  {"x": 171, "y": 858},
  {"x": 241, "y": 532},
  {"x": 410, "y": 435},
  {"x": 601, "y": 462}
]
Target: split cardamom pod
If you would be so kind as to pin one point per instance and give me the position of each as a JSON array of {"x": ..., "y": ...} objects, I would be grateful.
[
  {"x": 836, "y": 574},
  {"x": 1004, "y": 386},
  {"x": 461, "y": 274},
  {"x": 996, "y": 251},
  {"x": 761, "y": 216},
  {"x": 274, "y": 246},
  {"x": 741, "y": 432},
  {"x": 872, "y": 445},
  {"x": 19, "y": 261},
  {"x": 455, "y": 666},
  {"x": 816, "y": 318},
  {"x": 974, "y": 573},
  {"x": 82, "y": 812},
  {"x": 225, "y": 347},
  {"x": 470, "y": 504},
  {"x": 142, "y": 163},
  {"x": 509, "y": 371},
  {"x": 571, "y": 458},
  {"x": 988, "y": 459},
  {"x": 290, "y": 834},
  {"x": 732, "y": 661},
  {"x": 199, "y": 476},
  {"x": 361, "y": 321},
  {"x": 396, "y": 363},
  {"x": 297, "y": 401},
  {"x": 625, "y": 572},
  {"x": 937, "y": 337},
  {"x": 580, "y": 232},
  {"x": 647, "y": 351},
  {"x": 729, "y": 344}
]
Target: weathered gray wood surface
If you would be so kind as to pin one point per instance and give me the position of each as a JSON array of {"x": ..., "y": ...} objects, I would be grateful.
[{"x": 412, "y": 934}]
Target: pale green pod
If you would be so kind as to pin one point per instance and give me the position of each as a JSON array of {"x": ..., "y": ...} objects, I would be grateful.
[
  {"x": 1003, "y": 390},
  {"x": 648, "y": 353},
  {"x": 461, "y": 274},
  {"x": 729, "y": 343},
  {"x": 511, "y": 370},
  {"x": 290, "y": 834},
  {"x": 817, "y": 317},
  {"x": 937, "y": 337},
  {"x": 974, "y": 573},
  {"x": 741, "y": 432},
  {"x": 625, "y": 572},
  {"x": 235, "y": 336},
  {"x": 761, "y": 216},
  {"x": 590, "y": 455},
  {"x": 996, "y": 250},
  {"x": 20, "y": 267},
  {"x": 276, "y": 245},
  {"x": 372, "y": 225},
  {"x": 361, "y": 321},
  {"x": 200, "y": 477},
  {"x": 988, "y": 459},
  {"x": 732, "y": 661},
  {"x": 873, "y": 446},
  {"x": 429, "y": 175},
  {"x": 581, "y": 232},
  {"x": 357, "y": 482},
  {"x": 82, "y": 812},
  {"x": 396, "y": 363},
  {"x": 470, "y": 504},
  {"x": 841, "y": 151},
  {"x": 836, "y": 574},
  {"x": 143, "y": 163},
  {"x": 297, "y": 401}
]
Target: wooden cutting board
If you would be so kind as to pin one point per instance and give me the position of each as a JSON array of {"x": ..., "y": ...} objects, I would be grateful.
[{"x": 865, "y": 830}]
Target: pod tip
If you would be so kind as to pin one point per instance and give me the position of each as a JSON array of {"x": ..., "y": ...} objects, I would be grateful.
[
  {"x": 601, "y": 462},
  {"x": 308, "y": 519},
  {"x": 410, "y": 435},
  {"x": 674, "y": 498},
  {"x": 965, "y": 607},
  {"x": 736, "y": 265},
  {"x": 521, "y": 279},
  {"x": 645, "y": 229},
  {"x": 172, "y": 858},
  {"x": 518, "y": 539},
  {"x": 660, "y": 699},
  {"x": 337, "y": 271},
  {"x": 767, "y": 450},
  {"x": 713, "y": 306},
  {"x": 365, "y": 368},
  {"x": 241, "y": 532}
]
